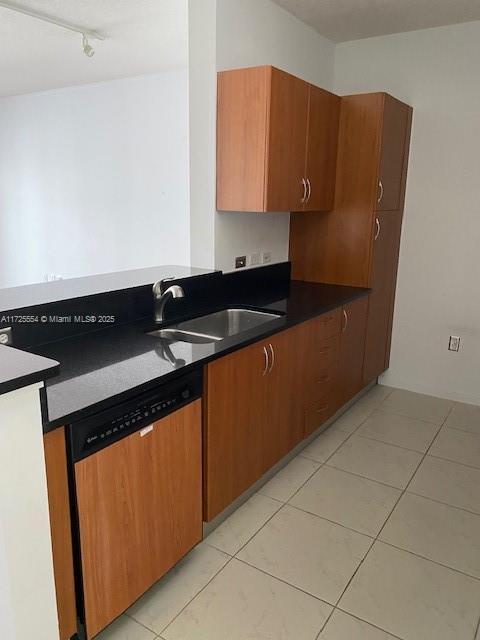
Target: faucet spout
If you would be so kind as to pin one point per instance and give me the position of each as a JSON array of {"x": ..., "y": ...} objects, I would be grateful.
[{"x": 160, "y": 299}]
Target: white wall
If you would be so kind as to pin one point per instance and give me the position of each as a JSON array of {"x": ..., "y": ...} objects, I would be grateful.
[
  {"x": 94, "y": 178},
  {"x": 27, "y": 591},
  {"x": 257, "y": 32},
  {"x": 203, "y": 117},
  {"x": 437, "y": 72}
]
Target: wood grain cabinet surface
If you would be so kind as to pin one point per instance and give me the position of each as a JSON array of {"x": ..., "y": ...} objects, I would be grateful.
[
  {"x": 258, "y": 402},
  {"x": 357, "y": 243},
  {"x": 276, "y": 142},
  {"x": 352, "y": 349},
  {"x": 61, "y": 532},
  {"x": 140, "y": 512}
]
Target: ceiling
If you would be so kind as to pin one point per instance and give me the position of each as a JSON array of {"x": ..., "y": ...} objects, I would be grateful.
[
  {"x": 142, "y": 36},
  {"x": 343, "y": 20}
]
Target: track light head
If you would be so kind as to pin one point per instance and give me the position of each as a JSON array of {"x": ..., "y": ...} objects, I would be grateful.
[{"x": 88, "y": 50}]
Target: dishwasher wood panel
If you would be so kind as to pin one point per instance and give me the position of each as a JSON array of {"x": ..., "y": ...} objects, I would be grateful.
[{"x": 140, "y": 511}]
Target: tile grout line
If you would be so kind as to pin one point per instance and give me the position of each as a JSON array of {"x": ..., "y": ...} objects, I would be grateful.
[
  {"x": 230, "y": 558},
  {"x": 474, "y": 433},
  {"x": 440, "y": 564},
  {"x": 369, "y": 623},
  {"x": 338, "y": 524},
  {"x": 477, "y": 635},
  {"x": 283, "y": 581},
  {"x": 386, "y": 520},
  {"x": 359, "y": 475},
  {"x": 469, "y": 466},
  {"x": 445, "y": 504},
  {"x": 391, "y": 444}
]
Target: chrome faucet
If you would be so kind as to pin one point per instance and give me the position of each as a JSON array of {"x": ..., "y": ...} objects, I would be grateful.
[{"x": 160, "y": 299}]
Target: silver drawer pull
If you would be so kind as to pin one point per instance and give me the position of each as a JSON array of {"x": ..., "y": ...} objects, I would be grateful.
[
  {"x": 265, "y": 353},
  {"x": 304, "y": 199},
  {"x": 272, "y": 351},
  {"x": 380, "y": 197}
]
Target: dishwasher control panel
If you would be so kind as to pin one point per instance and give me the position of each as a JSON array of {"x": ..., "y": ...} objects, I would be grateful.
[{"x": 96, "y": 432}]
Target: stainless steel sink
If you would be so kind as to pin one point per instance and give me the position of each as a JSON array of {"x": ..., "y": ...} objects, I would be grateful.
[{"x": 215, "y": 326}]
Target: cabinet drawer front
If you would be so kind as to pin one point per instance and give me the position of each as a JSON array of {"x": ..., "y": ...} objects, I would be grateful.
[
  {"x": 319, "y": 412},
  {"x": 328, "y": 325},
  {"x": 324, "y": 357}
]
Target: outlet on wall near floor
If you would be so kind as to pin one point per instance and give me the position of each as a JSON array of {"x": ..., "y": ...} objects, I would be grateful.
[
  {"x": 266, "y": 257},
  {"x": 454, "y": 343},
  {"x": 254, "y": 259}
]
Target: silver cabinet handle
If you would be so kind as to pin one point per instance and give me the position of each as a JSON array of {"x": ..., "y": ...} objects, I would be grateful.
[
  {"x": 309, "y": 195},
  {"x": 304, "y": 183},
  {"x": 377, "y": 224},
  {"x": 345, "y": 324},
  {"x": 380, "y": 197},
  {"x": 272, "y": 351},
  {"x": 267, "y": 361}
]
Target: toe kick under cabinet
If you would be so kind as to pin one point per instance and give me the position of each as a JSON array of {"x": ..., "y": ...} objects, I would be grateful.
[{"x": 263, "y": 400}]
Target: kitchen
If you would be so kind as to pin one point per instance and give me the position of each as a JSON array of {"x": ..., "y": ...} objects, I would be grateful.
[{"x": 265, "y": 485}]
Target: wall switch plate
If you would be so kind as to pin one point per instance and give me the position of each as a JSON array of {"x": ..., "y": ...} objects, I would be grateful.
[
  {"x": 266, "y": 257},
  {"x": 454, "y": 343},
  {"x": 255, "y": 259},
  {"x": 240, "y": 262},
  {"x": 6, "y": 336}
]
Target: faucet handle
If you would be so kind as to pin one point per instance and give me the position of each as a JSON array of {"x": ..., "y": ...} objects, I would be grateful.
[{"x": 158, "y": 286}]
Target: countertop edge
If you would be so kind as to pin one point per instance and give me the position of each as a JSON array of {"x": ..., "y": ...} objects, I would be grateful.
[{"x": 19, "y": 369}]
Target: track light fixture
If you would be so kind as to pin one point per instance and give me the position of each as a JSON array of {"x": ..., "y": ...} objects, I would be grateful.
[{"x": 88, "y": 50}]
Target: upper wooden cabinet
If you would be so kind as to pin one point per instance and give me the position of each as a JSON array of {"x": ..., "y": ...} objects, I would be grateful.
[
  {"x": 276, "y": 142},
  {"x": 395, "y": 129},
  {"x": 373, "y": 144}
]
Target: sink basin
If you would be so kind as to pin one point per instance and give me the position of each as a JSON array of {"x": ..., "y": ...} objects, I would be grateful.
[{"x": 215, "y": 326}]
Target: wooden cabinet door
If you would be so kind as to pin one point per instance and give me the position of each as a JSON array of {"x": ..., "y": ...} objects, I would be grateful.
[
  {"x": 322, "y": 141},
  {"x": 287, "y": 140},
  {"x": 61, "y": 531},
  {"x": 381, "y": 300},
  {"x": 140, "y": 511},
  {"x": 235, "y": 417},
  {"x": 395, "y": 133},
  {"x": 352, "y": 349},
  {"x": 283, "y": 421}
]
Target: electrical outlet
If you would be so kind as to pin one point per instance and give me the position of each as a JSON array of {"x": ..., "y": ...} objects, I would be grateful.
[
  {"x": 255, "y": 259},
  {"x": 240, "y": 262},
  {"x": 454, "y": 343},
  {"x": 266, "y": 257},
  {"x": 6, "y": 336}
]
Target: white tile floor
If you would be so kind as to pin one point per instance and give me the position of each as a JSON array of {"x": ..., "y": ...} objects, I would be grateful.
[{"x": 371, "y": 533}]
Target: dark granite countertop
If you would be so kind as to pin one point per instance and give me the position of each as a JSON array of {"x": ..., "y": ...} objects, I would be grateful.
[
  {"x": 19, "y": 369},
  {"x": 105, "y": 367}
]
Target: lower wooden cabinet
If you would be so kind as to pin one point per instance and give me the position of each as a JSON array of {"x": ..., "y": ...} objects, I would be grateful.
[
  {"x": 320, "y": 377},
  {"x": 352, "y": 350},
  {"x": 61, "y": 532},
  {"x": 140, "y": 511},
  {"x": 259, "y": 405},
  {"x": 382, "y": 299}
]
